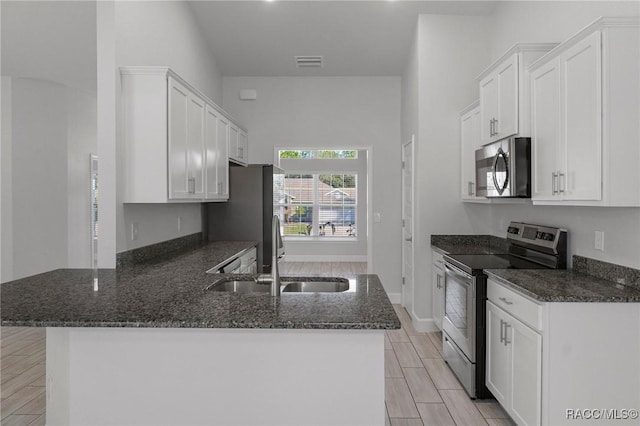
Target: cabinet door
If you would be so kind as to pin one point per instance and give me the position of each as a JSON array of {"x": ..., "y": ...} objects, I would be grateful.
[
  {"x": 581, "y": 179},
  {"x": 212, "y": 154},
  {"x": 233, "y": 142},
  {"x": 195, "y": 147},
  {"x": 468, "y": 142},
  {"x": 545, "y": 129},
  {"x": 526, "y": 373},
  {"x": 438, "y": 296},
  {"x": 488, "y": 107},
  {"x": 497, "y": 362},
  {"x": 507, "y": 118},
  {"x": 223, "y": 157},
  {"x": 178, "y": 135},
  {"x": 243, "y": 144}
]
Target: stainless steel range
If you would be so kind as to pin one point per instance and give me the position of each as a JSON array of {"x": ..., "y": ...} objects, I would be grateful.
[{"x": 530, "y": 247}]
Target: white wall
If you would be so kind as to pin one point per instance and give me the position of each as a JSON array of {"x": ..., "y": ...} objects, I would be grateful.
[
  {"x": 554, "y": 22},
  {"x": 53, "y": 128},
  {"x": 333, "y": 112},
  {"x": 548, "y": 21},
  {"x": 48, "y": 131},
  {"x": 452, "y": 51},
  {"x": 162, "y": 33},
  {"x": 81, "y": 142},
  {"x": 6, "y": 173}
]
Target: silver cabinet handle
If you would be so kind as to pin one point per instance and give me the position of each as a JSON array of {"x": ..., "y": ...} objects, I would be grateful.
[
  {"x": 495, "y": 126},
  {"x": 473, "y": 188},
  {"x": 562, "y": 182},
  {"x": 469, "y": 191},
  {"x": 503, "y": 299},
  {"x": 240, "y": 152},
  {"x": 409, "y": 239},
  {"x": 554, "y": 186},
  {"x": 191, "y": 185},
  {"x": 502, "y": 323},
  {"x": 491, "y": 127}
]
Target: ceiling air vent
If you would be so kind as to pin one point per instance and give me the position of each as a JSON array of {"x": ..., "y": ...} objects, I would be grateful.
[{"x": 309, "y": 61}]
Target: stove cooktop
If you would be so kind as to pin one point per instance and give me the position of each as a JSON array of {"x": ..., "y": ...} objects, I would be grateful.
[{"x": 474, "y": 263}]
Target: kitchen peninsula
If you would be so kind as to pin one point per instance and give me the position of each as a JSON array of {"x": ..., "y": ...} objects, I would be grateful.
[{"x": 148, "y": 344}]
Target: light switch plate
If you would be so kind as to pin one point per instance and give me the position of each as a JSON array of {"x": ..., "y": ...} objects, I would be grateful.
[{"x": 134, "y": 231}]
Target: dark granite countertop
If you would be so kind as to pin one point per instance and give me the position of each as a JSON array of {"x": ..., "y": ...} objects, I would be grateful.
[
  {"x": 468, "y": 244},
  {"x": 170, "y": 292},
  {"x": 563, "y": 285}
]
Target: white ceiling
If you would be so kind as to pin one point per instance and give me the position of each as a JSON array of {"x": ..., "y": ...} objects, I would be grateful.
[{"x": 367, "y": 38}]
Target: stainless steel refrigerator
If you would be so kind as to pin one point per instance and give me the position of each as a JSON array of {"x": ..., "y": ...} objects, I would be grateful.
[{"x": 256, "y": 193}]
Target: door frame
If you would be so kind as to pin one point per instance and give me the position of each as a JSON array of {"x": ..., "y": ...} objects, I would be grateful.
[{"x": 407, "y": 290}]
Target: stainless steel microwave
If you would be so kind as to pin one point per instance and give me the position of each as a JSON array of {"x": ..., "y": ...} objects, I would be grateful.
[{"x": 503, "y": 168}]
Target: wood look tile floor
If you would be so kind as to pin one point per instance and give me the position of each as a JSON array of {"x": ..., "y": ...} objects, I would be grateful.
[
  {"x": 420, "y": 390},
  {"x": 22, "y": 373}
]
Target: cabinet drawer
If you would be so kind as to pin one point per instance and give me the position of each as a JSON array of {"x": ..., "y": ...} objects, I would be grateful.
[{"x": 519, "y": 306}]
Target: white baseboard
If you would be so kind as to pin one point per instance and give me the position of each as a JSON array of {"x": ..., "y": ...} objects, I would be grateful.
[
  {"x": 423, "y": 325},
  {"x": 395, "y": 298},
  {"x": 324, "y": 258}
]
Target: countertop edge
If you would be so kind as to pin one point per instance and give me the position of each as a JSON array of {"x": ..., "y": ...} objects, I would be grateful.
[{"x": 561, "y": 298}]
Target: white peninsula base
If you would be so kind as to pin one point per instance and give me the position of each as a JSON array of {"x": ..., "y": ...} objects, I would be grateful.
[{"x": 165, "y": 376}]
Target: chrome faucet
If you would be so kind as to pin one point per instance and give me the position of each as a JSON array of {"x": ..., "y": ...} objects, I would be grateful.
[{"x": 276, "y": 243}]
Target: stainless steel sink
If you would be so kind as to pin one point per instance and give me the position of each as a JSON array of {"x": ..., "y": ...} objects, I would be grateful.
[
  {"x": 316, "y": 286},
  {"x": 240, "y": 287},
  {"x": 305, "y": 285}
]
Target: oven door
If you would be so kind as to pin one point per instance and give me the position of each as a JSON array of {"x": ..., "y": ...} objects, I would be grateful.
[{"x": 460, "y": 309}]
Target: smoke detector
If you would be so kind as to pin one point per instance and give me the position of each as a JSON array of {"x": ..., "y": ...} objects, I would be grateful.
[{"x": 308, "y": 61}]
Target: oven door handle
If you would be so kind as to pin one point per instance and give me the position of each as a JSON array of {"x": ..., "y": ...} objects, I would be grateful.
[{"x": 463, "y": 276}]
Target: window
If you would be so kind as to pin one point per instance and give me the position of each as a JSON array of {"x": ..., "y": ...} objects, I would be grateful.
[
  {"x": 320, "y": 205},
  {"x": 340, "y": 154}
]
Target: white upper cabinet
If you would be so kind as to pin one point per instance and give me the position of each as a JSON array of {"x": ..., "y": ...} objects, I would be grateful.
[
  {"x": 175, "y": 139},
  {"x": 470, "y": 141},
  {"x": 238, "y": 142},
  {"x": 504, "y": 95},
  {"x": 216, "y": 140},
  {"x": 186, "y": 143},
  {"x": 584, "y": 114}
]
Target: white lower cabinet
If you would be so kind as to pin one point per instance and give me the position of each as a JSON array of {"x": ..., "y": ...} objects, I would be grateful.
[
  {"x": 437, "y": 283},
  {"x": 514, "y": 365},
  {"x": 545, "y": 361}
]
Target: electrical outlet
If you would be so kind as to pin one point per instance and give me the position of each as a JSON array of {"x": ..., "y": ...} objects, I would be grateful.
[
  {"x": 179, "y": 223},
  {"x": 134, "y": 231},
  {"x": 599, "y": 240}
]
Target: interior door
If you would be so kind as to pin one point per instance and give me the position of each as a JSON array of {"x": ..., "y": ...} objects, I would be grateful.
[{"x": 407, "y": 224}]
